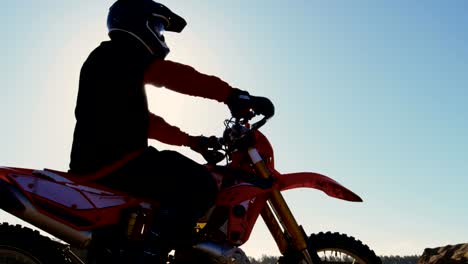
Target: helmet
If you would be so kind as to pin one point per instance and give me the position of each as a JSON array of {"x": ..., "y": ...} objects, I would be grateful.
[{"x": 146, "y": 21}]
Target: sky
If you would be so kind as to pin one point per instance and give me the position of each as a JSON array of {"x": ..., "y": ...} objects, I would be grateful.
[{"x": 371, "y": 93}]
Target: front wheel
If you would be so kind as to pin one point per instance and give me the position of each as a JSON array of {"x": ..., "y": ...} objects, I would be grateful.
[{"x": 340, "y": 248}]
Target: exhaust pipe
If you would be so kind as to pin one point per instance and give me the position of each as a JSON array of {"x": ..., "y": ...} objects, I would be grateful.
[{"x": 221, "y": 253}]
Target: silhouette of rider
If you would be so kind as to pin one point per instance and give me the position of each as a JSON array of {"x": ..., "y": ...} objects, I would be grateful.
[{"x": 113, "y": 122}]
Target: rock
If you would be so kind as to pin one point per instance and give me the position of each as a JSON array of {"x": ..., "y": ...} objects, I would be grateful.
[{"x": 451, "y": 254}]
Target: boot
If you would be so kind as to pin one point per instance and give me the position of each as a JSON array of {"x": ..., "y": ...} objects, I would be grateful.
[{"x": 156, "y": 249}]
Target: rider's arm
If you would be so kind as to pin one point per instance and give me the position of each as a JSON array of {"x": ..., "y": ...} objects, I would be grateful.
[
  {"x": 160, "y": 130},
  {"x": 185, "y": 79}
]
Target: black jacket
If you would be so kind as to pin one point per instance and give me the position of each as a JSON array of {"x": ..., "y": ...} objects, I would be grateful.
[
  {"x": 111, "y": 110},
  {"x": 112, "y": 115}
]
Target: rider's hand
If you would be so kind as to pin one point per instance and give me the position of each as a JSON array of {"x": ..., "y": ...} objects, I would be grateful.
[
  {"x": 208, "y": 147},
  {"x": 241, "y": 103},
  {"x": 202, "y": 144}
]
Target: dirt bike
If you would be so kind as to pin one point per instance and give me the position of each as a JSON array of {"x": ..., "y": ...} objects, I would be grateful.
[{"x": 103, "y": 222}]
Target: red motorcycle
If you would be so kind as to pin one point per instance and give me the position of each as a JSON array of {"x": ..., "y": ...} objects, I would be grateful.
[{"x": 103, "y": 222}]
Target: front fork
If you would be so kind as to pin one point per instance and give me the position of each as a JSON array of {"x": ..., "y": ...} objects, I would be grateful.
[{"x": 279, "y": 219}]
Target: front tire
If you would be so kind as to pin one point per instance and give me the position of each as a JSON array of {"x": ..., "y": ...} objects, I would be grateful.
[
  {"x": 21, "y": 245},
  {"x": 340, "y": 248}
]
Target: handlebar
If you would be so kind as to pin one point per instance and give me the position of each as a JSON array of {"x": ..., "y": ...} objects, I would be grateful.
[{"x": 239, "y": 133}]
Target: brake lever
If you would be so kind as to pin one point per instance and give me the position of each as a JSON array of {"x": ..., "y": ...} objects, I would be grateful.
[{"x": 258, "y": 124}]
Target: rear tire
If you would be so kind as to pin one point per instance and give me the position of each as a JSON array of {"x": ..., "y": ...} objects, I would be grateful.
[
  {"x": 22, "y": 245},
  {"x": 340, "y": 248}
]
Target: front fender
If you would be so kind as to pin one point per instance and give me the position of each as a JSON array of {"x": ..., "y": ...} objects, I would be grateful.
[{"x": 317, "y": 181}]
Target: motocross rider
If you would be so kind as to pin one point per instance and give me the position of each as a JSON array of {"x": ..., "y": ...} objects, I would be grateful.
[{"x": 113, "y": 122}]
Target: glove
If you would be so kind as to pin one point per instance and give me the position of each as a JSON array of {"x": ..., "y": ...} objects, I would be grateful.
[
  {"x": 202, "y": 144},
  {"x": 208, "y": 147},
  {"x": 241, "y": 104}
]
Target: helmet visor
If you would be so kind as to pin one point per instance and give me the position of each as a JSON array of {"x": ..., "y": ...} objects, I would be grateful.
[{"x": 157, "y": 26}]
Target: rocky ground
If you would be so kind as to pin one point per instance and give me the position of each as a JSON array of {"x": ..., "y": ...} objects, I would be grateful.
[{"x": 451, "y": 254}]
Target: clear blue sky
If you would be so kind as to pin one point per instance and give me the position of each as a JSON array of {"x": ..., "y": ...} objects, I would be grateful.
[{"x": 372, "y": 93}]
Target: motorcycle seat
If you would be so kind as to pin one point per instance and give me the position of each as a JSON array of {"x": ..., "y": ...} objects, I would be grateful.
[{"x": 61, "y": 176}]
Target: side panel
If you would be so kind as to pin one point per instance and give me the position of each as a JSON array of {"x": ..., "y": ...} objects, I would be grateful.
[
  {"x": 20, "y": 205},
  {"x": 243, "y": 204},
  {"x": 74, "y": 204}
]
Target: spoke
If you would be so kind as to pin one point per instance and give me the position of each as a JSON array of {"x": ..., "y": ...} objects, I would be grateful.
[{"x": 337, "y": 256}]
